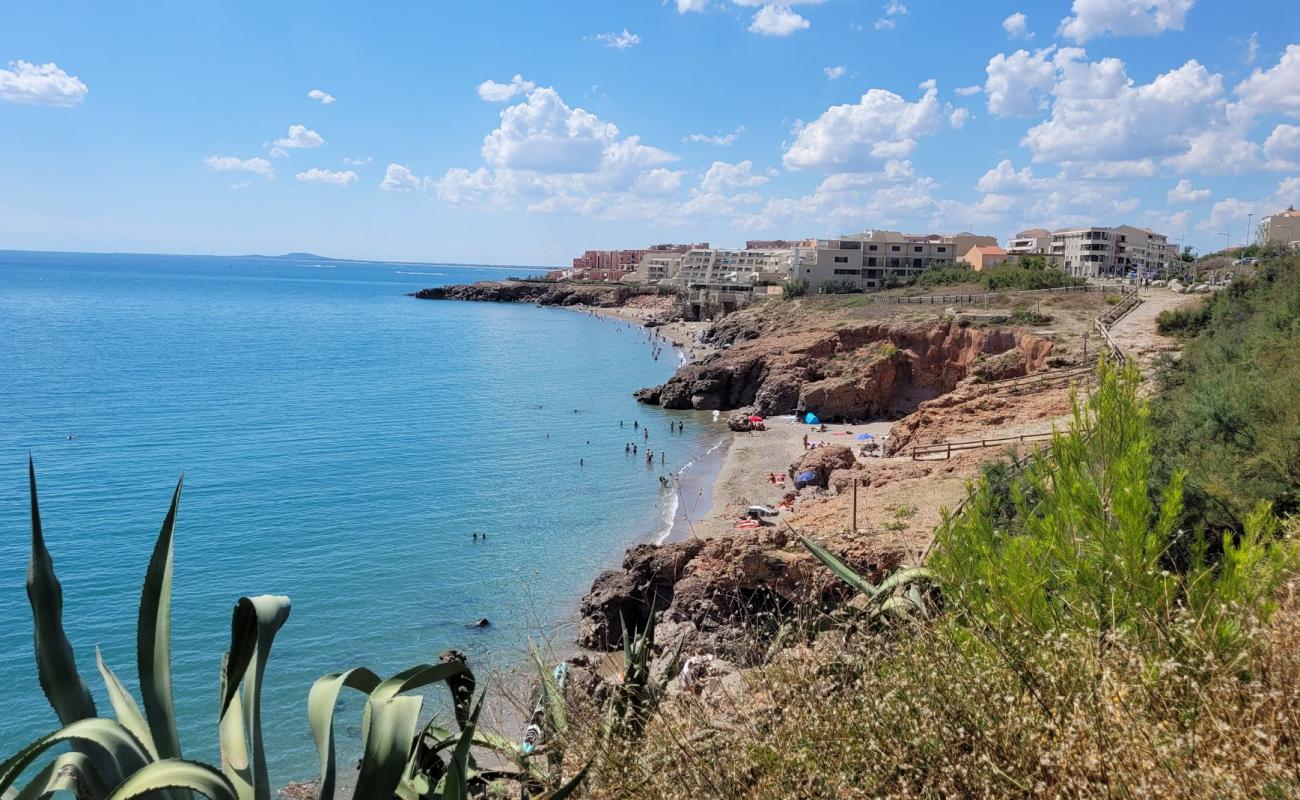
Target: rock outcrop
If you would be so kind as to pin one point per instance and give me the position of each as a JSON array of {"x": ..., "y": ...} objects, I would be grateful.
[
  {"x": 541, "y": 292},
  {"x": 719, "y": 595},
  {"x": 852, "y": 372},
  {"x": 822, "y": 461}
]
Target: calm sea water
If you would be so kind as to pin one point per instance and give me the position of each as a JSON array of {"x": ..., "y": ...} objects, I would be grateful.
[{"x": 340, "y": 443}]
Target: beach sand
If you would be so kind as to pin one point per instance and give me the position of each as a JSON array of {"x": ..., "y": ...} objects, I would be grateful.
[{"x": 747, "y": 460}]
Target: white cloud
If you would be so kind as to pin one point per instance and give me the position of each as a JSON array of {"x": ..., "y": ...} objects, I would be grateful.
[
  {"x": 1017, "y": 26},
  {"x": 1132, "y": 168},
  {"x": 967, "y": 91},
  {"x": 1275, "y": 89},
  {"x": 720, "y": 139},
  {"x": 1006, "y": 179},
  {"x": 40, "y": 85},
  {"x": 324, "y": 97},
  {"x": 722, "y": 177},
  {"x": 1184, "y": 193},
  {"x": 494, "y": 92},
  {"x": 885, "y": 24},
  {"x": 684, "y": 6},
  {"x": 1093, "y": 18},
  {"x": 851, "y": 138},
  {"x": 833, "y": 73},
  {"x": 278, "y": 152},
  {"x": 957, "y": 117},
  {"x": 357, "y": 162},
  {"x": 894, "y": 8},
  {"x": 777, "y": 20},
  {"x": 658, "y": 182},
  {"x": 300, "y": 136},
  {"x": 1017, "y": 84},
  {"x": 619, "y": 41},
  {"x": 258, "y": 166},
  {"x": 1283, "y": 147},
  {"x": 1100, "y": 114},
  {"x": 336, "y": 177},
  {"x": 1252, "y": 49},
  {"x": 399, "y": 178}
]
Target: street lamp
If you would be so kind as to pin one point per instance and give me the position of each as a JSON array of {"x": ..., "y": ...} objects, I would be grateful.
[
  {"x": 1214, "y": 274},
  {"x": 1249, "y": 239}
]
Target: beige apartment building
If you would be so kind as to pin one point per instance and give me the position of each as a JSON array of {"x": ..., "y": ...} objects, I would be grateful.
[
  {"x": 1280, "y": 228},
  {"x": 1140, "y": 251},
  {"x": 733, "y": 267},
  {"x": 657, "y": 267},
  {"x": 873, "y": 259}
]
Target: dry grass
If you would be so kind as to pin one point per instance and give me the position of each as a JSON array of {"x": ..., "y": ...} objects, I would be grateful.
[{"x": 936, "y": 714}]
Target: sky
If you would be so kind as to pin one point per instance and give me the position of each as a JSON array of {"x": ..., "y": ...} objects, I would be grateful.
[{"x": 526, "y": 132}]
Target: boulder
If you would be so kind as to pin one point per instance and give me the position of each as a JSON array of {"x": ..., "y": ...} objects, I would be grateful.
[{"x": 823, "y": 461}]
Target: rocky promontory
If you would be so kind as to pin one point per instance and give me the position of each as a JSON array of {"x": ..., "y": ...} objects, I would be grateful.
[
  {"x": 546, "y": 293},
  {"x": 852, "y": 371}
]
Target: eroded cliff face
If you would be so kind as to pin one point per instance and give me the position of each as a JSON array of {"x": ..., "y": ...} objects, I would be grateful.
[{"x": 852, "y": 372}]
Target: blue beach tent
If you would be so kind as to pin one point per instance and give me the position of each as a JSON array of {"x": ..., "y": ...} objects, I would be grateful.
[{"x": 811, "y": 418}]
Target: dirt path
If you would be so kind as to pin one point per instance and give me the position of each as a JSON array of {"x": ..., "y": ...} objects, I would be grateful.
[{"x": 1135, "y": 333}]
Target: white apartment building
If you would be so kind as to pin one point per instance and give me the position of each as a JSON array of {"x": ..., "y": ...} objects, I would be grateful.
[
  {"x": 1096, "y": 252},
  {"x": 658, "y": 267},
  {"x": 742, "y": 268},
  {"x": 1280, "y": 228},
  {"x": 873, "y": 259},
  {"x": 1033, "y": 242}
]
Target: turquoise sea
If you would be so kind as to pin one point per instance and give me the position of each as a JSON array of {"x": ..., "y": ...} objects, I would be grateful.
[{"x": 340, "y": 443}]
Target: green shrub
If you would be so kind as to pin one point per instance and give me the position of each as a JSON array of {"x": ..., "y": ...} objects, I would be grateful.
[
  {"x": 1017, "y": 277},
  {"x": 1182, "y": 321},
  {"x": 946, "y": 276},
  {"x": 830, "y": 286},
  {"x": 794, "y": 288}
]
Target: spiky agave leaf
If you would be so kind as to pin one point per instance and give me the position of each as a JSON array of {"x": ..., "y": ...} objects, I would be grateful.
[
  {"x": 71, "y": 772},
  {"x": 841, "y": 569},
  {"x": 153, "y": 638},
  {"x": 106, "y": 741},
  {"x": 174, "y": 773},
  {"x": 124, "y": 707},
  {"x": 456, "y": 784},
  {"x": 321, "y": 701},
  {"x": 232, "y": 736},
  {"x": 253, "y": 625},
  {"x": 55, "y": 664}
]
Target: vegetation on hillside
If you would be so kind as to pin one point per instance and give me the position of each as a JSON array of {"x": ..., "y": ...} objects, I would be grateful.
[
  {"x": 1227, "y": 411},
  {"x": 1030, "y": 272}
]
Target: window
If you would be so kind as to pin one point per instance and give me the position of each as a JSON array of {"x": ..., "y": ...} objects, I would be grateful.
[
  {"x": 916, "y": 263},
  {"x": 873, "y": 273},
  {"x": 850, "y": 245},
  {"x": 871, "y": 261},
  {"x": 894, "y": 248},
  {"x": 853, "y": 272},
  {"x": 916, "y": 249},
  {"x": 841, "y": 259},
  {"x": 943, "y": 249},
  {"x": 871, "y": 247}
]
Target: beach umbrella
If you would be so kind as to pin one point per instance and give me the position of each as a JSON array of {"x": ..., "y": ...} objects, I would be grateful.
[
  {"x": 755, "y": 418},
  {"x": 805, "y": 476},
  {"x": 864, "y": 436}
]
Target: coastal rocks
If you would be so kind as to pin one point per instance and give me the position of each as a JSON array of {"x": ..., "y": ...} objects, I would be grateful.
[
  {"x": 823, "y": 461},
  {"x": 546, "y": 293},
  {"x": 1010, "y": 364},
  {"x": 852, "y": 372},
  {"x": 740, "y": 423},
  {"x": 722, "y": 595}
]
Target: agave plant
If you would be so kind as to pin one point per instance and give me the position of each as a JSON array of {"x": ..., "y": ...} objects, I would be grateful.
[
  {"x": 139, "y": 752},
  {"x": 637, "y": 695},
  {"x": 898, "y": 597}
]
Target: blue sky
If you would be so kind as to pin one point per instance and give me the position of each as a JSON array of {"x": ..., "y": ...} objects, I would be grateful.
[{"x": 189, "y": 128}]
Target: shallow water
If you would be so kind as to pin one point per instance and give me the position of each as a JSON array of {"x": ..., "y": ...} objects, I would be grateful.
[{"x": 340, "y": 443}]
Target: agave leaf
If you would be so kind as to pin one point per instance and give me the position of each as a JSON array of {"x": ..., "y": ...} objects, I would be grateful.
[
  {"x": 128, "y": 713},
  {"x": 173, "y": 773},
  {"x": 899, "y": 608},
  {"x": 456, "y": 784},
  {"x": 55, "y": 664},
  {"x": 153, "y": 638},
  {"x": 840, "y": 568},
  {"x": 71, "y": 772},
  {"x": 390, "y": 731},
  {"x": 570, "y": 787},
  {"x": 109, "y": 742},
  {"x": 321, "y": 701},
  {"x": 421, "y": 675},
  {"x": 253, "y": 625},
  {"x": 905, "y": 577},
  {"x": 234, "y": 741}
]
